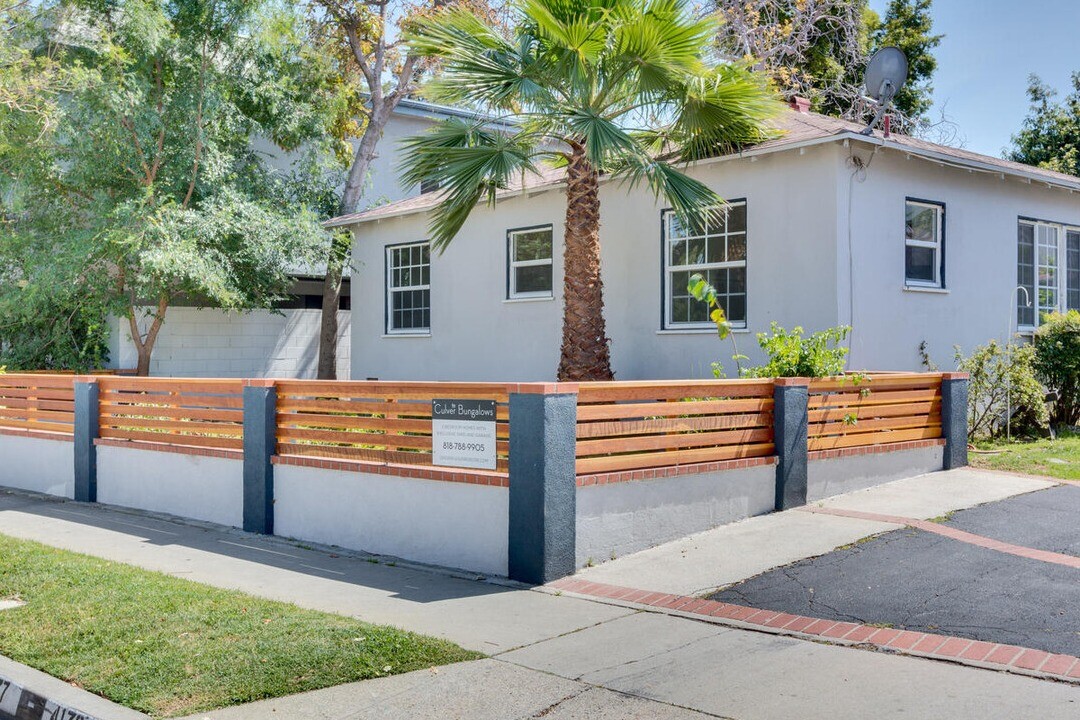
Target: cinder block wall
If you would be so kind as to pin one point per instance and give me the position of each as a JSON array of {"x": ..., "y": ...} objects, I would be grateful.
[{"x": 215, "y": 343}]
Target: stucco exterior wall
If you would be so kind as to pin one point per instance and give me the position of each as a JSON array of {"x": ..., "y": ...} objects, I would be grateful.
[
  {"x": 476, "y": 334},
  {"x": 442, "y": 523},
  {"x": 837, "y": 475},
  {"x": 981, "y": 213},
  {"x": 191, "y": 486},
  {"x": 621, "y": 518},
  {"x": 37, "y": 464},
  {"x": 215, "y": 343}
]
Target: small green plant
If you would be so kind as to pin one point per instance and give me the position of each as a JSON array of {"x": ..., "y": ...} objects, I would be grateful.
[
  {"x": 1002, "y": 380},
  {"x": 1057, "y": 361},
  {"x": 702, "y": 291},
  {"x": 790, "y": 353}
]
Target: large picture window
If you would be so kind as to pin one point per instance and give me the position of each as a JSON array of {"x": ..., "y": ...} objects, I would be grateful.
[
  {"x": 1048, "y": 269},
  {"x": 715, "y": 247},
  {"x": 408, "y": 288},
  {"x": 529, "y": 263},
  {"x": 924, "y": 244}
]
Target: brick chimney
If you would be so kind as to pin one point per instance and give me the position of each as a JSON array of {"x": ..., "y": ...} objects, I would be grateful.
[{"x": 800, "y": 104}]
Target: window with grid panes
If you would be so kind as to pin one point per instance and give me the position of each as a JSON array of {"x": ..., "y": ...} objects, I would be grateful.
[
  {"x": 715, "y": 247},
  {"x": 408, "y": 288}
]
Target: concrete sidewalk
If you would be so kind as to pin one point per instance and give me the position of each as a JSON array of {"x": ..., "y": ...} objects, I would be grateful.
[{"x": 562, "y": 657}]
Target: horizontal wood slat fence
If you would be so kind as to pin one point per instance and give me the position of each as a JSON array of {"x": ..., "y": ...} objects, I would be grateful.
[
  {"x": 621, "y": 426},
  {"x": 861, "y": 411},
  {"x": 375, "y": 421},
  {"x": 175, "y": 411},
  {"x": 637, "y": 425},
  {"x": 44, "y": 403}
]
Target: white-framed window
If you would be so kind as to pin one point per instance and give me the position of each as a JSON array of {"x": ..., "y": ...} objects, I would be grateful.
[
  {"x": 1048, "y": 268},
  {"x": 529, "y": 266},
  {"x": 715, "y": 247},
  {"x": 924, "y": 243},
  {"x": 408, "y": 288}
]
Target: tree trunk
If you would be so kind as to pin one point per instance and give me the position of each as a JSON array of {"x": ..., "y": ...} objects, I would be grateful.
[
  {"x": 585, "y": 347},
  {"x": 144, "y": 346},
  {"x": 331, "y": 302},
  {"x": 338, "y": 252}
]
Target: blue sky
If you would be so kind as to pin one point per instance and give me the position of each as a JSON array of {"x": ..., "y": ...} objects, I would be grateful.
[{"x": 989, "y": 49}]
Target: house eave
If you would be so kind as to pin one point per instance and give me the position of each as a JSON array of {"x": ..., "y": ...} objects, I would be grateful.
[{"x": 941, "y": 158}]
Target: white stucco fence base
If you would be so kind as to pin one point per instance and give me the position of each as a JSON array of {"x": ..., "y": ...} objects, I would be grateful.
[
  {"x": 834, "y": 476},
  {"x": 190, "y": 486},
  {"x": 430, "y": 521},
  {"x": 621, "y": 518},
  {"x": 38, "y": 464}
]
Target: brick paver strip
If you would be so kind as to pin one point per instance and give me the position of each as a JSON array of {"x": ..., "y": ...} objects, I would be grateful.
[
  {"x": 959, "y": 535},
  {"x": 943, "y": 647}
]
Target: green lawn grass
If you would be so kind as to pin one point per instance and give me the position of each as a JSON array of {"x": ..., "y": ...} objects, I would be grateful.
[
  {"x": 168, "y": 647},
  {"x": 1058, "y": 458}
]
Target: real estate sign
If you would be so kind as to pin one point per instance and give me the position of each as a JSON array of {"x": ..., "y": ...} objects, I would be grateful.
[{"x": 463, "y": 433}]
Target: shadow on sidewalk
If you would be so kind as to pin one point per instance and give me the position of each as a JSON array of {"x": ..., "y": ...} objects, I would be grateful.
[{"x": 131, "y": 529}]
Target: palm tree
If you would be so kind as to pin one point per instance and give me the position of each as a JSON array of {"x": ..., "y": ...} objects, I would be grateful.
[{"x": 616, "y": 88}]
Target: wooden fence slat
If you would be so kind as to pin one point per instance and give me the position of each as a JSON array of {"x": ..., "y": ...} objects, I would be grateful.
[
  {"x": 639, "y": 443},
  {"x": 158, "y": 411},
  {"x": 661, "y": 425},
  {"x": 173, "y": 426},
  {"x": 615, "y": 463},
  {"x": 875, "y": 383},
  {"x": 53, "y": 427},
  {"x": 930, "y": 432},
  {"x": 341, "y": 422},
  {"x": 174, "y": 438},
  {"x": 672, "y": 409},
  {"x": 864, "y": 426},
  {"x": 612, "y": 392},
  {"x": 879, "y": 398},
  {"x": 875, "y": 411}
]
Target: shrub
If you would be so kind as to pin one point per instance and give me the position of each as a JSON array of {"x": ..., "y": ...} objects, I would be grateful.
[
  {"x": 791, "y": 354},
  {"x": 1057, "y": 360},
  {"x": 993, "y": 369}
]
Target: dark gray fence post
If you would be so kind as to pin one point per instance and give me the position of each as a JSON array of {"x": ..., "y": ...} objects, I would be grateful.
[
  {"x": 86, "y": 432},
  {"x": 954, "y": 403},
  {"x": 790, "y": 417},
  {"x": 543, "y": 483},
  {"x": 260, "y": 437}
]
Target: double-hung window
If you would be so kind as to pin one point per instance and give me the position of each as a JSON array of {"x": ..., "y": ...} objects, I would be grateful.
[
  {"x": 1048, "y": 270},
  {"x": 408, "y": 289},
  {"x": 713, "y": 246},
  {"x": 529, "y": 267},
  {"x": 924, "y": 244}
]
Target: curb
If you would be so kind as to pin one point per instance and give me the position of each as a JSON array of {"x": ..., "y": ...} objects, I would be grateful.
[
  {"x": 962, "y": 651},
  {"x": 30, "y": 693}
]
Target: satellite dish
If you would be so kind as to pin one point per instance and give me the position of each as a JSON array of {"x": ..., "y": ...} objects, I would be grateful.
[{"x": 886, "y": 73}]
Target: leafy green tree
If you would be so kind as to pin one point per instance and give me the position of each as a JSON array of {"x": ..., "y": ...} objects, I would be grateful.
[
  {"x": 807, "y": 47},
  {"x": 1050, "y": 136},
  {"x": 622, "y": 88},
  {"x": 147, "y": 179},
  {"x": 373, "y": 70}
]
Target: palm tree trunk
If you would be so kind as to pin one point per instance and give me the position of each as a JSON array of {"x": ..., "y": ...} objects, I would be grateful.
[{"x": 585, "y": 353}]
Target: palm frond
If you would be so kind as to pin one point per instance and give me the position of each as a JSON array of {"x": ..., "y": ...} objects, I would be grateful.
[{"x": 469, "y": 163}]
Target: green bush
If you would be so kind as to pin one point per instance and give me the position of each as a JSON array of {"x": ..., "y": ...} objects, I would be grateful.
[
  {"x": 994, "y": 370},
  {"x": 1057, "y": 360},
  {"x": 791, "y": 354}
]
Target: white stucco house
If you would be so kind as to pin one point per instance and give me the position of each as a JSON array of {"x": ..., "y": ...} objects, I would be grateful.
[
  {"x": 904, "y": 240},
  {"x": 207, "y": 342}
]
